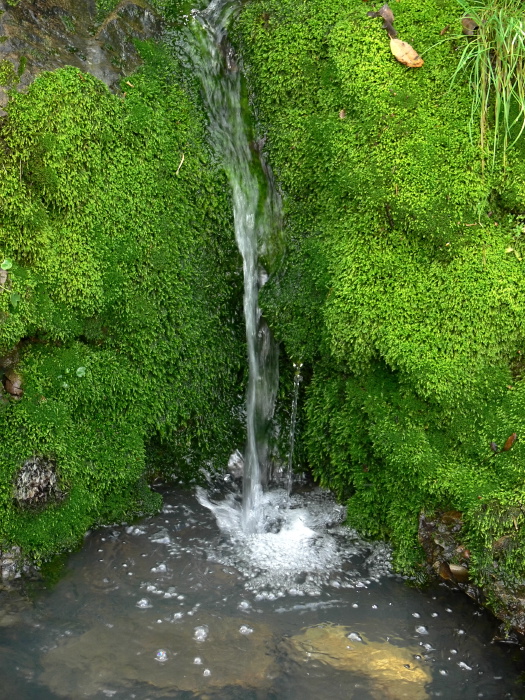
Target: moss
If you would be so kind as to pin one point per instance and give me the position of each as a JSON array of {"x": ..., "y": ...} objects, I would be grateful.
[
  {"x": 128, "y": 301},
  {"x": 404, "y": 284}
]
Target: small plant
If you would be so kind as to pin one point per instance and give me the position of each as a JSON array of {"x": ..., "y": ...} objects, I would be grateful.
[{"x": 494, "y": 58}]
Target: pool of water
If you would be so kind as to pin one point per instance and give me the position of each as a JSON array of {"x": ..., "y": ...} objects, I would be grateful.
[{"x": 172, "y": 607}]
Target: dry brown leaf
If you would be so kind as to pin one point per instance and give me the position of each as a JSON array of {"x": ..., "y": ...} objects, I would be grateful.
[
  {"x": 469, "y": 26},
  {"x": 405, "y": 54},
  {"x": 386, "y": 13},
  {"x": 388, "y": 16}
]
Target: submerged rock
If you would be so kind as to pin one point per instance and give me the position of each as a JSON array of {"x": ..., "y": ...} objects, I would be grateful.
[
  {"x": 393, "y": 672},
  {"x": 165, "y": 656}
]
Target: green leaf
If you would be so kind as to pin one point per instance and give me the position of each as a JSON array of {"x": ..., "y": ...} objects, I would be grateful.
[
  {"x": 7, "y": 264},
  {"x": 81, "y": 372}
]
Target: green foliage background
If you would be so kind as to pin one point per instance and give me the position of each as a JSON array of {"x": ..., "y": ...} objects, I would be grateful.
[
  {"x": 399, "y": 290},
  {"x": 127, "y": 311}
]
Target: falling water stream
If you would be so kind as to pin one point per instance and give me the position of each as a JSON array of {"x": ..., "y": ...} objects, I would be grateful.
[
  {"x": 268, "y": 597},
  {"x": 255, "y": 213}
]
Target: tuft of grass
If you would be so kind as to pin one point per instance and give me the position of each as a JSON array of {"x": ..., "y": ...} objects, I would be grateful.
[{"x": 494, "y": 59}]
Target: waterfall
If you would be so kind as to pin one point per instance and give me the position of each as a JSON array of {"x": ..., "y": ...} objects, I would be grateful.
[
  {"x": 297, "y": 379},
  {"x": 255, "y": 213}
]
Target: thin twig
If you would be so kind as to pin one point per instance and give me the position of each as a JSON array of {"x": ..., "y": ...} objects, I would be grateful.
[{"x": 180, "y": 164}]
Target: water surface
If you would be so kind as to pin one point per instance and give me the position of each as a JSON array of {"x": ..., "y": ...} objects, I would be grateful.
[{"x": 171, "y": 607}]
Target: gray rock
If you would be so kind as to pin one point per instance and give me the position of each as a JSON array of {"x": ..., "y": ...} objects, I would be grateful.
[
  {"x": 49, "y": 34},
  {"x": 36, "y": 483}
]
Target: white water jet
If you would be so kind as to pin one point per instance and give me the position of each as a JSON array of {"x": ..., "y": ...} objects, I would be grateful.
[{"x": 255, "y": 212}]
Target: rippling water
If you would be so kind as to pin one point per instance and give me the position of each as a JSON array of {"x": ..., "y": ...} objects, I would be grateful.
[{"x": 172, "y": 607}]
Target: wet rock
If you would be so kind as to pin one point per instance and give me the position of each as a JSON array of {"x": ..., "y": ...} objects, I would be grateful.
[
  {"x": 459, "y": 573},
  {"x": 36, "y": 483},
  {"x": 165, "y": 656},
  {"x": 393, "y": 671},
  {"x": 10, "y": 359},
  {"x": 440, "y": 537},
  {"x": 13, "y": 383},
  {"x": 48, "y": 34},
  {"x": 452, "y": 518},
  {"x": 11, "y": 564}
]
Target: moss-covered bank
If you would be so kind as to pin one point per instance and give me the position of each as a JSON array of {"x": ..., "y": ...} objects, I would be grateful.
[
  {"x": 120, "y": 305},
  {"x": 404, "y": 287}
]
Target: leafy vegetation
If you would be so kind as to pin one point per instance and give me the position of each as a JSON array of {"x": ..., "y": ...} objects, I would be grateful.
[
  {"x": 403, "y": 289},
  {"x": 494, "y": 59},
  {"x": 127, "y": 307}
]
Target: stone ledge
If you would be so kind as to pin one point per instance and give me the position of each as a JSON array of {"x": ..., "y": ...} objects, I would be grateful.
[{"x": 44, "y": 35}]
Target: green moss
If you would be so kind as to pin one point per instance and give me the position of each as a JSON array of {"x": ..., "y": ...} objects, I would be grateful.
[
  {"x": 404, "y": 283},
  {"x": 128, "y": 311}
]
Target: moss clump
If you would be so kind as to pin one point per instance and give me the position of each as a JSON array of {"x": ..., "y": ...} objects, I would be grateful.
[
  {"x": 404, "y": 287},
  {"x": 127, "y": 297}
]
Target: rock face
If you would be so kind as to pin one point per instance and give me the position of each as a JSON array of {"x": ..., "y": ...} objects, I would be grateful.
[
  {"x": 440, "y": 534},
  {"x": 48, "y": 34}
]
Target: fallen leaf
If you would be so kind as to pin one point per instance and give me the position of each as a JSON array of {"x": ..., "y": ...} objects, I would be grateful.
[
  {"x": 388, "y": 16},
  {"x": 342, "y": 114},
  {"x": 469, "y": 25},
  {"x": 405, "y": 54},
  {"x": 509, "y": 442},
  {"x": 444, "y": 30}
]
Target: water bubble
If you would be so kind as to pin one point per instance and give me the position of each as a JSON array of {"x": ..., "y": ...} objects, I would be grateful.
[
  {"x": 421, "y": 629},
  {"x": 143, "y": 603},
  {"x": 374, "y": 607},
  {"x": 197, "y": 661},
  {"x": 355, "y": 605},
  {"x": 354, "y": 637},
  {"x": 244, "y": 605},
  {"x": 201, "y": 633},
  {"x": 461, "y": 631},
  {"x": 244, "y": 629},
  {"x": 159, "y": 569},
  {"x": 453, "y": 651},
  {"x": 416, "y": 615},
  {"x": 464, "y": 666},
  {"x": 161, "y": 655},
  {"x": 206, "y": 672},
  {"x": 434, "y": 614},
  {"x": 443, "y": 672}
]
